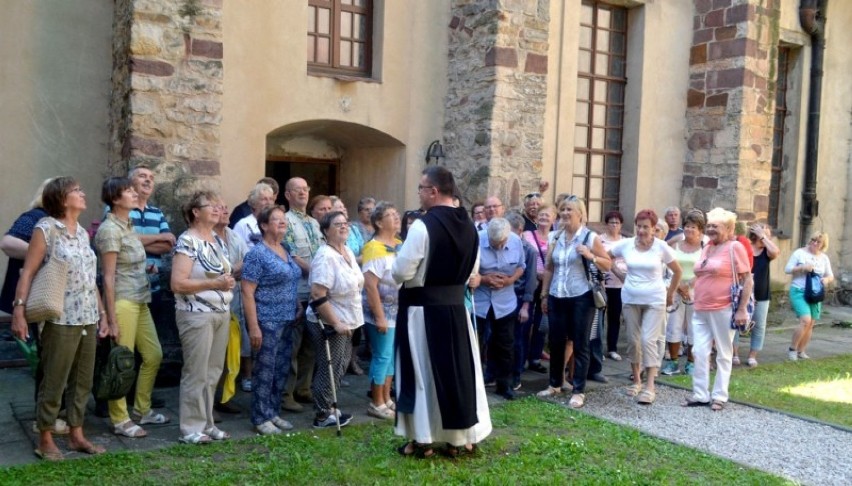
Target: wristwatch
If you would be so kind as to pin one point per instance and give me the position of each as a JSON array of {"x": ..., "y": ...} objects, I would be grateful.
[{"x": 17, "y": 302}]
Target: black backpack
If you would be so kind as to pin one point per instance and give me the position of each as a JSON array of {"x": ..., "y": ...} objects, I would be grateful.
[
  {"x": 814, "y": 289},
  {"x": 114, "y": 373}
]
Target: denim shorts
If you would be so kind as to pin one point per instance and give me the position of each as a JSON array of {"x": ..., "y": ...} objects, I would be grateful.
[{"x": 802, "y": 308}]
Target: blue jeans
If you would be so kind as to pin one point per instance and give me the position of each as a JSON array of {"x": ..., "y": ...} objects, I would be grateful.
[
  {"x": 761, "y": 310},
  {"x": 271, "y": 367},
  {"x": 382, "y": 364},
  {"x": 522, "y": 342},
  {"x": 570, "y": 320}
]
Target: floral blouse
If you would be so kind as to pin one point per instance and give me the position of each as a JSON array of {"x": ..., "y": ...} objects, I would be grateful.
[
  {"x": 209, "y": 260},
  {"x": 344, "y": 282},
  {"x": 378, "y": 260},
  {"x": 81, "y": 291}
]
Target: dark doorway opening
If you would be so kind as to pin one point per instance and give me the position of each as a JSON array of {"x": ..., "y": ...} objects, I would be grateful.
[{"x": 322, "y": 175}]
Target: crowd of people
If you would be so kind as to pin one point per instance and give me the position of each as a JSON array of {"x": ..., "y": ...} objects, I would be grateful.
[{"x": 279, "y": 300}]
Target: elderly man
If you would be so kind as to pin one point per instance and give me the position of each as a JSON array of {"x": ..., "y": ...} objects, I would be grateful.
[
  {"x": 150, "y": 224},
  {"x": 525, "y": 294},
  {"x": 243, "y": 209},
  {"x": 261, "y": 197},
  {"x": 441, "y": 395},
  {"x": 493, "y": 209},
  {"x": 532, "y": 202},
  {"x": 672, "y": 218},
  {"x": 303, "y": 239},
  {"x": 502, "y": 261}
]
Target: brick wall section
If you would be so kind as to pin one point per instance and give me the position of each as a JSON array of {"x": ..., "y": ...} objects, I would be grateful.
[
  {"x": 730, "y": 106},
  {"x": 494, "y": 122},
  {"x": 167, "y": 95}
]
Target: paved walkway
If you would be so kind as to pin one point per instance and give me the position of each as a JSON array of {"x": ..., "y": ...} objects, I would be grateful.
[{"x": 16, "y": 404}]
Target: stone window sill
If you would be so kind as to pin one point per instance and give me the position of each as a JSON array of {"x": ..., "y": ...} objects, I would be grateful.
[{"x": 346, "y": 78}]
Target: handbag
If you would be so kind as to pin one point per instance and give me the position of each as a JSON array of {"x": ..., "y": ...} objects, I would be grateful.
[
  {"x": 46, "y": 300},
  {"x": 594, "y": 278},
  {"x": 115, "y": 373},
  {"x": 814, "y": 289},
  {"x": 736, "y": 296}
]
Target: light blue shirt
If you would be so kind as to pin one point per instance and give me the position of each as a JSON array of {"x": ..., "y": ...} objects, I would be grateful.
[{"x": 506, "y": 261}]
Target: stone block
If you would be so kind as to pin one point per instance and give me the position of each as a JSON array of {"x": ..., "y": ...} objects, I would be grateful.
[
  {"x": 206, "y": 48},
  {"x": 726, "y": 78},
  {"x": 688, "y": 181},
  {"x": 720, "y": 99},
  {"x": 698, "y": 54},
  {"x": 700, "y": 140},
  {"x": 732, "y": 48},
  {"x": 707, "y": 182},
  {"x": 725, "y": 33},
  {"x": 715, "y": 18},
  {"x": 703, "y": 6},
  {"x": 536, "y": 64},
  {"x": 153, "y": 68},
  {"x": 454, "y": 22},
  {"x": 717, "y": 4},
  {"x": 203, "y": 167},
  {"x": 694, "y": 98},
  {"x": 134, "y": 145},
  {"x": 701, "y": 36},
  {"x": 501, "y": 56},
  {"x": 739, "y": 13},
  {"x": 761, "y": 203}
]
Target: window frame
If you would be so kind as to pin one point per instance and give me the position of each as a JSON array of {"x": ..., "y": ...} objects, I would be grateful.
[{"x": 337, "y": 10}]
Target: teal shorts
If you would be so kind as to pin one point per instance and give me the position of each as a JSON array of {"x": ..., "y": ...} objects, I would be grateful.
[{"x": 802, "y": 308}]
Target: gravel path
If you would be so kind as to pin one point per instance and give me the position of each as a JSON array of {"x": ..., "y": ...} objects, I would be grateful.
[{"x": 796, "y": 449}]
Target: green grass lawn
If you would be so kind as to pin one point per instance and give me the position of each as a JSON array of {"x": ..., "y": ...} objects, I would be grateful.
[
  {"x": 817, "y": 388},
  {"x": 534, "y": 442}
]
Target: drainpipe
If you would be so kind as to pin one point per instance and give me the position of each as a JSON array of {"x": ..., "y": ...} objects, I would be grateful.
[{"x": 812, "y": 15}]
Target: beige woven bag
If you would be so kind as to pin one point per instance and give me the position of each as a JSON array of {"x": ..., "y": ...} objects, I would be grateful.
[{"x": 46, "y": 300}]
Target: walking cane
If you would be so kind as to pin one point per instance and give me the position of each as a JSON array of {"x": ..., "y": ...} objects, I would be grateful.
[{"x": 326, "y": 332}]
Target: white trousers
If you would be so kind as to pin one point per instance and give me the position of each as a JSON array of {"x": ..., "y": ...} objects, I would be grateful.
[{"x": 708, "y": 326}]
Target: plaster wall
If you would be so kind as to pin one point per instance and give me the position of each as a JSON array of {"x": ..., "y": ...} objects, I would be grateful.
[
  {"x": 56, "y": 63},
  {"x": 267, "y": 87}
]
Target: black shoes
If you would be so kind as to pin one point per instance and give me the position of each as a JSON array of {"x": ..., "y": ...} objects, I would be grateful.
[
  {"x": 227, "y": 407},
  {"x": 506, "y": 393},
  {"x": 599, "y": 377},
  {"x": 537, "y": 368}
]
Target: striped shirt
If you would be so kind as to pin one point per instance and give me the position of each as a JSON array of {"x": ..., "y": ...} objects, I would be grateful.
[{"x": 150, "y": 221}]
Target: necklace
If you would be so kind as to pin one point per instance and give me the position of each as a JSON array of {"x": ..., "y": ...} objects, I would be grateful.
[{"x": 712, "y": 250}]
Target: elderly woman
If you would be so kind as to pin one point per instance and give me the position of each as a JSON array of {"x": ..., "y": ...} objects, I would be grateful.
[
  {"x": 269, "y": 280},
  {"x": 811, "y": 258},
  {"x": 238, "y": 338},
  {"x": 355, "y": 241},
  {"x": 68, "y": 342},
  {"x": 570, "y": 306},
  {"x": 612, "y": 284},
  {"x": 760, "y": 238},
  {"x": 644, "y": 298},
  {"x": 261, "y": 197},
  {"x": 711, "y": 320},
  {"x": 126, "y": 298},
  {"x": 381, "y": 305},
  {"x": 335, "y": 312},
  {"x": 501, "y": 262},
  {"x": 203, "y": 287},
  {"x": 686, "y": 252},
  {"x": 366, "y": 205},
  {"x": 538, "y": 239}
]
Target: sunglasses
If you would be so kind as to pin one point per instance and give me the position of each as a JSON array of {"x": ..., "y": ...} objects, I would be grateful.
[{"x": 532, "y": 195}]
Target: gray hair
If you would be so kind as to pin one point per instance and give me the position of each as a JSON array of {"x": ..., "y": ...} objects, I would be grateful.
[
  {"x": 364, "y": 201},
  {"x": 672, "y": 209},
  {"x": 719, "y": 215},
  {"x": 498, "y": 229},
  {"x": 256, "y": 192},
  {"x": 516, "y": 221}
]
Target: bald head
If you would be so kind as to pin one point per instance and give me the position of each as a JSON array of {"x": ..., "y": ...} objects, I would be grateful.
[{"x": 297, "y": 193}]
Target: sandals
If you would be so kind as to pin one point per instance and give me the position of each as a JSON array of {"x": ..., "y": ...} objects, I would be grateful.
[
  {"x": 646, "y": 397},
  {"x": 577, "y": 400},
  {"x": 454, "y": 452},
  {"x": 549, "y": 392},
  {"x": 217, "y": 434},
  {"x": 691, "y": 402},
  {"x": 391, "y": 405},
  {"x": 633, "y": 390},
  {"x": 735, "y": 361},
  {"x": 196, "y": 438},
  {"x": 150, "y": 418},
  {"x": 129, "y": 429},
  {"x": 752, "y": 363},
  {"x": 420, "y": 451},
  {"x": 89, "y": 448},
  {"x": 380, "y": 412},
  {"x": 49, "y": 456},
  {"x": 717, "y": 406}
]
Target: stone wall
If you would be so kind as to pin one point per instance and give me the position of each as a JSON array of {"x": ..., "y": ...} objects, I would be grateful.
[
  {"x": 494, "y": 119},
  {"x": 167, "y": 94},
  {"x": 730, "y": 106}
]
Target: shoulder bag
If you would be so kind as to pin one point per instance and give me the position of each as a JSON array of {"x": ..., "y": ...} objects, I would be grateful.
[
  {"x": 814, "y": 289},
  {"x": 736, "y": 296},
  {"x": 46, "y": 300},
  {"x": 598, "y": 292}
]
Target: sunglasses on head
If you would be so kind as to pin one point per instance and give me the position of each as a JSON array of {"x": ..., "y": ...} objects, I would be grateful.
[{"x": 532, "y": 195}]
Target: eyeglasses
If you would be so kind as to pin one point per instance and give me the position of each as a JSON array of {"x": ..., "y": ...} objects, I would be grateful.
[
  {"x": 202, "y": 206},
  {"x": 494, "y": 206},
  {"x": 341, "y": 224},
  {"x": 532, "y": 195},
  {"x": 478, "y": 212},
  {"x": 614, "y": 223},
  {"x": 420, "y": 187}
]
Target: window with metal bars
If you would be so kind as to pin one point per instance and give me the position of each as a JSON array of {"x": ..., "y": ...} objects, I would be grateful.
[
  {"x": 340, "y": 37},
  {"x": 599, "y": 120},
  {"x": 779, "y": 127}
]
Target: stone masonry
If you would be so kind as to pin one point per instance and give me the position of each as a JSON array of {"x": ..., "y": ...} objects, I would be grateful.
[
  {"x": 730, "y": 106},
  {"x": 494, "y": 121},
  {"x": 167, "y": 94}
]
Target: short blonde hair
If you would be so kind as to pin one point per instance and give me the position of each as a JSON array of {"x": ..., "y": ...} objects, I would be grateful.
[
  {"x": 36, "y": 202},
  {"x": 822, "y": 237},
  {"x": 728, "y": 218},
  {"x": 578, "y": 203}
]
